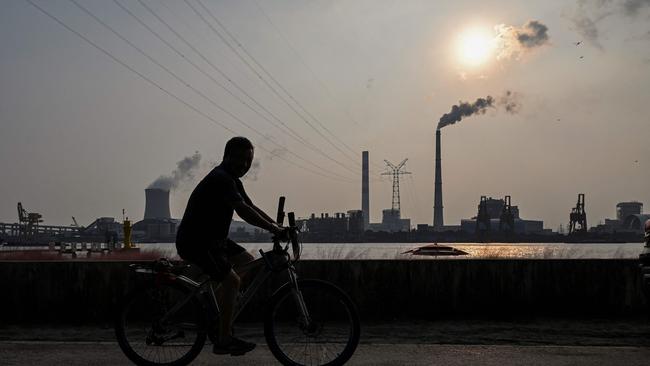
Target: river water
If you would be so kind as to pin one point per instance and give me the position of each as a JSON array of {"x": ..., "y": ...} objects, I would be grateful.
[{"x": 474, "y": 250}]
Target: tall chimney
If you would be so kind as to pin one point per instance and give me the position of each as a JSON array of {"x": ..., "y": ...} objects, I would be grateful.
[
  {"x": 365, "y": 190},
  {"x": 156, "y": 204},
  {"x": 438, "y": 221}
]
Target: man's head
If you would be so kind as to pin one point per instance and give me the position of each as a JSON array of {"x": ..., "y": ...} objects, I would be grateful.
[{"x": 238, "y": 156}]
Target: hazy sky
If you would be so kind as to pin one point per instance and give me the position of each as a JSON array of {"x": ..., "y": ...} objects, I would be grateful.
[{"x": 82, "y": 135}]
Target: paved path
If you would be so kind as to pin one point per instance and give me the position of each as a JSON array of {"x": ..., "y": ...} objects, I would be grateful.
[
  {"x": 103, "y": 354},
  {"x": 452, "y": 342}
]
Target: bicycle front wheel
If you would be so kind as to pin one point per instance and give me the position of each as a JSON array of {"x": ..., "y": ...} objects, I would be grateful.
[
  {"x": 330, "y": 334},
  {"x": 161, "y": 324}
]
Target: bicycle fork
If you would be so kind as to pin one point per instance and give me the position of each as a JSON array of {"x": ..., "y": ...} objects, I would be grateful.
[{"x": 298, "y": 298}]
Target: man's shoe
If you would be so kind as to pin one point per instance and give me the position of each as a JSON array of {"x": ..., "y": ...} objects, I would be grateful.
[{"x": 235, "y": 347}]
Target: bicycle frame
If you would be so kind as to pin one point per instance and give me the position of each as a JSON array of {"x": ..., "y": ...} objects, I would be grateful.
[
  {"x": 267, "y": 270},
  {"x": 273, "y": 261}
]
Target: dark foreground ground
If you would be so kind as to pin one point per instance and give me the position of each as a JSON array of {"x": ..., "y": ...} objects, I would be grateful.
[{"x": 540, "y": 342}]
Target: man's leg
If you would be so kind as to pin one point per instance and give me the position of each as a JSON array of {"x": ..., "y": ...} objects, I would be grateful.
[
  {"x": 239, "y": 260},
  {"x": 226, "y": 296},
  {"x": 233, "y": 256}
]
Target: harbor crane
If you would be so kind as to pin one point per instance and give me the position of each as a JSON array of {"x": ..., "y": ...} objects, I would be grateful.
[
  {"x": 578, "y": 216},
  {"x": 28, "y": 220}
]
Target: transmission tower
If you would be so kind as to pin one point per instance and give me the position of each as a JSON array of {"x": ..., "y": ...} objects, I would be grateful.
[{"x": 395, "y": 171}]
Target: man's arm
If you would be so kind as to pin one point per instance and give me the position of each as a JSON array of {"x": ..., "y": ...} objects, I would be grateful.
[
  {"x": 250, "y": 203},
  {"x": 262, "y": 213},
  {"x": 257, "y": 217}
]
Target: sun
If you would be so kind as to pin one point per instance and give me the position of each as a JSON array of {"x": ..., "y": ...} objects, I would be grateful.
[{"x": 475, "y": 47}]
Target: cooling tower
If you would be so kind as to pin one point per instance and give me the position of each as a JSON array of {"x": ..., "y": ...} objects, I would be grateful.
[
  {"x": 365, "y": 190},
  {"x": 438, "y": 221},
  {"x": 156, "y": 204}
]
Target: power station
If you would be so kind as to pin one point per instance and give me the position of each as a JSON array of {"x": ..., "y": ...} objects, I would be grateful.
[
  {"x": 495, "y": 219},
  {"x": 157, "y": 224}
]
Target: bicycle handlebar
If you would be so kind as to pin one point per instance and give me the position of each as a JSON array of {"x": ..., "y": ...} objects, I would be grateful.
[
  {"x": 280, "y": 217},
  {"x": 293, "y": 236},
  {"x": 293, "y": 230}
]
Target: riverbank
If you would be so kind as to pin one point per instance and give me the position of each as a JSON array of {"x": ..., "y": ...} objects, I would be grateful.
[{"x": 70, "y": 292}]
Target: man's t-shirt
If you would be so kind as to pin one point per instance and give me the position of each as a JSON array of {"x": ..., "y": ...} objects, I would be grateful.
[{"x": 209, "y": 211}]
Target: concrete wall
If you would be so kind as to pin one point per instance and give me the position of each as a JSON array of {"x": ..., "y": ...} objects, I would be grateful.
[{"x": 79, "y": 292}]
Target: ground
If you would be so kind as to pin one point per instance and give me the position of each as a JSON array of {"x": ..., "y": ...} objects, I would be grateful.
[{"x": 450, "y": 342}]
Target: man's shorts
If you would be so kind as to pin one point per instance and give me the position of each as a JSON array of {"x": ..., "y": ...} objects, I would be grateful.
[{"x": 214, "y": 259}]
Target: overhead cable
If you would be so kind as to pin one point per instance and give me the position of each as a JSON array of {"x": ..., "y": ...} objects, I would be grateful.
[{"x": 152, "y": 82}]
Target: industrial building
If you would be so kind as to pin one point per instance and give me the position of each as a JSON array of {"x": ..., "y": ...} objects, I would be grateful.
[
  {"x": 498, "y": 215},
  {"x": 391, "y": 221},
  {"x": 157, "y": 224},
  {"x": 336, "y": 228},
  {"x": 29, "y": 230},
  {"x": 629, "y": 218}
]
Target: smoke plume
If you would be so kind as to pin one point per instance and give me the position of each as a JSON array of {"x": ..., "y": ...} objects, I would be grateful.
[
  {"x": 632, "y": 7},
  {"x": 279, "y": 151},
  {"x": 465, "y": 109},
  {"x": 587, "y": 28},
  {"x": 512, "y": 42},
  {"x": 184, "y": 172},
  {"x": 256, "y": 165},
  {"x": 589, "y": 13},
  {"x": 509, "y": 101},
  {"x": 253, "y": 171}
]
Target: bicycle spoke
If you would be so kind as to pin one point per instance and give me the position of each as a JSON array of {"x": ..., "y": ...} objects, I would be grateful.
[
  {"x": 147, "y": 339},
  {"x": 330, "y": 332}
]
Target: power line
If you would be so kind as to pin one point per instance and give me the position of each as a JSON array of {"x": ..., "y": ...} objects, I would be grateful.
[
  {"x": 168, "y": 44},
  {"x": 150, "y": 81},
  {"x": 240, "y": 45},
  {"x": 271, "y": 76},
  {"x": 214, "y": 80},
  {"x": 223, "y": 74},
  {"x": 179, "y": 79},
  {"x": 311, "y": 71},
  {"x": 273, "y": 89},
  {"x": 302, "y": 60},
  {"x": 293, "y": 134}
]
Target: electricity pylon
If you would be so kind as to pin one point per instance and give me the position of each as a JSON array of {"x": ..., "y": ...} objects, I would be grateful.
[{"x": 395, "y": 171}]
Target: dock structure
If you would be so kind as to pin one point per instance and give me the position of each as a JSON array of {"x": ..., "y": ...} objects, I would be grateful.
[{"x": 19, "y": 230}]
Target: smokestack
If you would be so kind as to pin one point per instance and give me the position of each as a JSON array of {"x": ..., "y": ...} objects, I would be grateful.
[
  {"x": 365, "y": 190},
  {"x": 438, "y": 221},
  {"x": 156, "y": 204}
]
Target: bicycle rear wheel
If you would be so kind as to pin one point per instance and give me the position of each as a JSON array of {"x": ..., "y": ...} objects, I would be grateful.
[
  {"x": 329, "y": 338},
  {"x": 147, "y": 340}
]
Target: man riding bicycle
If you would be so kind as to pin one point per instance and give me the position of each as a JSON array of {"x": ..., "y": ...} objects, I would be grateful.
[{"x": 202, "y": 237}]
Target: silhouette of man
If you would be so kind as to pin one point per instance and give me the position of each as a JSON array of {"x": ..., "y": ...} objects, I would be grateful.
[{"x": 202, "y": 236}]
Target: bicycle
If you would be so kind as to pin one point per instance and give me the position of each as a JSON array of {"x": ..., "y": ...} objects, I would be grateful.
[{"x": 308, "y": 322}]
